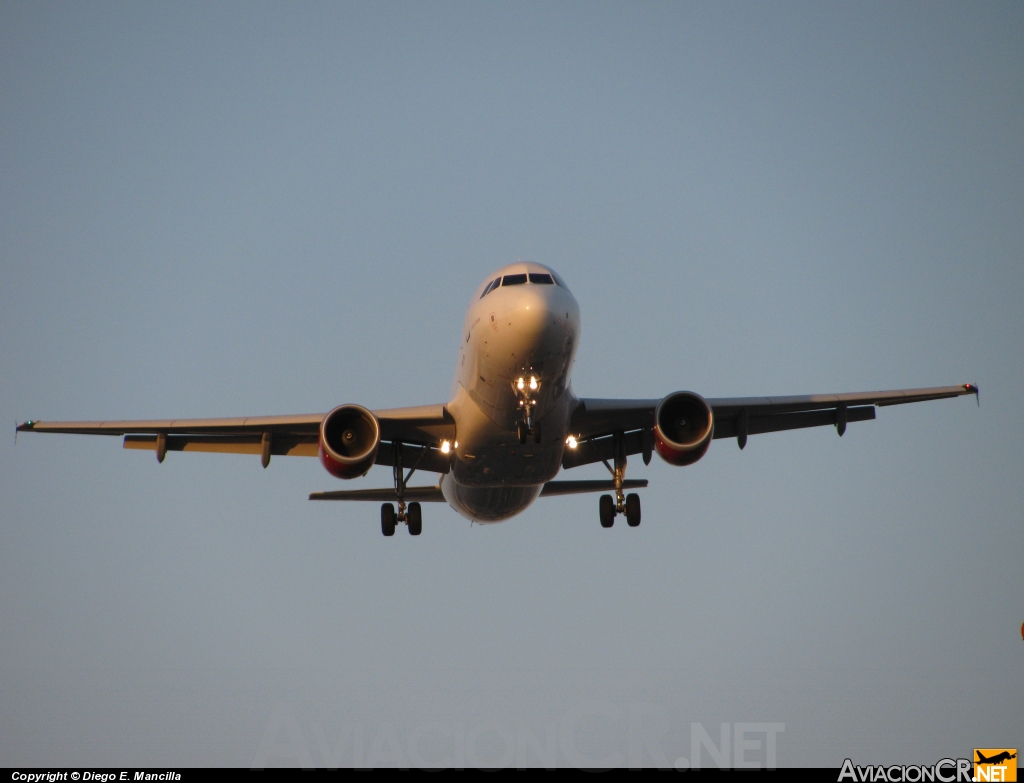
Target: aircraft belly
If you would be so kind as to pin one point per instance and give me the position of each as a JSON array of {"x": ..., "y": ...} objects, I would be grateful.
[
  {"x": 487, "y": 504},
  {"x": 507, "y": 465},
  {"x": 488, "y": 455}
]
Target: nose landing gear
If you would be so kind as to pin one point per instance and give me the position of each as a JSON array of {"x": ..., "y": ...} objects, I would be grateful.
[
  {"x": 526, "y": 432},
  {"x": 622, "y": 504},
  {"x": 525, "y": 388}
]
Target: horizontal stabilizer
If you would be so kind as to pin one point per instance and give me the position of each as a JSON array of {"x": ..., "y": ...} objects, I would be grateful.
[
  {"x": 419, "y": 494},
  {"x": 433, "y": 494},
  {"x": 578, "y": 487}
]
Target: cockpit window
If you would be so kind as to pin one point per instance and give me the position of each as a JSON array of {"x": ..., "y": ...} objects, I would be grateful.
[
  {"x": 559, "y": 281},
  {"x": 537, "y": 278},
  {"x": 491, "y": 286}
]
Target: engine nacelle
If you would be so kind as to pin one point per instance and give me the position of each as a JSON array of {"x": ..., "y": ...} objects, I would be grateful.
[
  {"x": 349, "y": 439},
  {"x": 683, "y": 426}
]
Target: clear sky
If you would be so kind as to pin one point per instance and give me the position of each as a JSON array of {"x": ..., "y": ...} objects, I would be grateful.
[{"x": 219, "y": 209}]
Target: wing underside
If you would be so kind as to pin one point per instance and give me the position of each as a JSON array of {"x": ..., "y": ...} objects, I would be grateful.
[
  {"x": 418, "y": 430},
  {"x": 597, "y": 423}
]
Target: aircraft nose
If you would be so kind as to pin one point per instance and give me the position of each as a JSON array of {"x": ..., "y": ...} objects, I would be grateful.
[
  {"x": 535, "y": 312},
  {"x": 544, "y": 330},
  {"x": 536, "y": 305}
]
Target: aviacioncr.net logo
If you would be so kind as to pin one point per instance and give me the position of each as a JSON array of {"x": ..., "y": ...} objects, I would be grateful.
[{"x": 943, "y": 771}]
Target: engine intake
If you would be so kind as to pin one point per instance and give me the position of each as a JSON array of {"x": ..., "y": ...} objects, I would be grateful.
[
  {"x": 349, "y": 439},
  {"x": 683, "y": 426}
]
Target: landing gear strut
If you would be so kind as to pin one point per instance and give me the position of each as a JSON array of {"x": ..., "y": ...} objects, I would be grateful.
[
  {"x": 622, "y": 504},
  {"x": 411, "y": 515}
]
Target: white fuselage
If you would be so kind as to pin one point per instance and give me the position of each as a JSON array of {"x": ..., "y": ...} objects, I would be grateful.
[{"x": 526, "y": 331}]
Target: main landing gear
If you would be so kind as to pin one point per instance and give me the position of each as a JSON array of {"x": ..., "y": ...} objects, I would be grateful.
[
  {"x": 631, "y": 508},
  {"x": 621, "y": 504},
  {"x": 411, "y": 515}
]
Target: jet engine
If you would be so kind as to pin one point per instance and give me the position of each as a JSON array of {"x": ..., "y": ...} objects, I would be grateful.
[
  {"x": 683, "y": 426},
  {"x": 349, "y": 439}
]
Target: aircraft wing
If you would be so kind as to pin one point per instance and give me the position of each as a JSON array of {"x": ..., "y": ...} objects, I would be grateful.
[
  {"x": 595, "y": 421},
  {"x": 296, "y": 436}
]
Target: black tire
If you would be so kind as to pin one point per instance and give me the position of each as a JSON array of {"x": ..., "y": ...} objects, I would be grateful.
[
  {"x": 387, "y": 519},
  {"x": 633, "y": 509},
  {"x": 415, "y": 519},
  {"x": 607, "y": 507},
  {"x": 522, "y": 432}
]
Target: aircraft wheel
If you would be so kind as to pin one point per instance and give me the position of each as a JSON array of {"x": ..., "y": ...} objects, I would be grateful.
[
  {"x": 387, "y": 519},
  {"x": 536, "y": 432},
  {"x": 633, "y": 509},
  {"x": 415, "y": 519},
  {"x": 522, "y": 432},
  {"x": 607, "y": 506}
]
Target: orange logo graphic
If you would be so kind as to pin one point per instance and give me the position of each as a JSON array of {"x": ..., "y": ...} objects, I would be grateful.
[{"x": 999, "y": 764}]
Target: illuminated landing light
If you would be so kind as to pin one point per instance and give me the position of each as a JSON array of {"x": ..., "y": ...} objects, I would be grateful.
[
  {"x": 446, "y": 447},
  {"x": 571, "y": 442},
  {"x": 520, "y": 384},
  {"x": 533, "y": 383}
]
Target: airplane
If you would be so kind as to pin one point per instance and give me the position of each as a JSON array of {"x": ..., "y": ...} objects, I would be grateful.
[
  {"x": 511, "y": 423},
  {"x": 996, "y": 759}
]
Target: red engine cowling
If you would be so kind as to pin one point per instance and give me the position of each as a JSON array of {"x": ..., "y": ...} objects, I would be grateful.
[
  {"x": 683, "y": 426},
  {"x": 349, "y": 439}
]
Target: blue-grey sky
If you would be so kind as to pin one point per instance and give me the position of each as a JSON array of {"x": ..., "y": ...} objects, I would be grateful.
[{"x": 236, "y": 209}]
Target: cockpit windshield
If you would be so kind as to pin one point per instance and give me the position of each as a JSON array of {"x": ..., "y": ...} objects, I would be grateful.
[{"x": 536, "y": 278}]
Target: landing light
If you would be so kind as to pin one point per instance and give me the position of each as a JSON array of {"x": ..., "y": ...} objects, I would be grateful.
[
  {"x": 520, "y": 384},
  {"x": 445, "y": 447},
  {"x": 571, "y": 442},
  {"x": 533, "y": 383}
]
